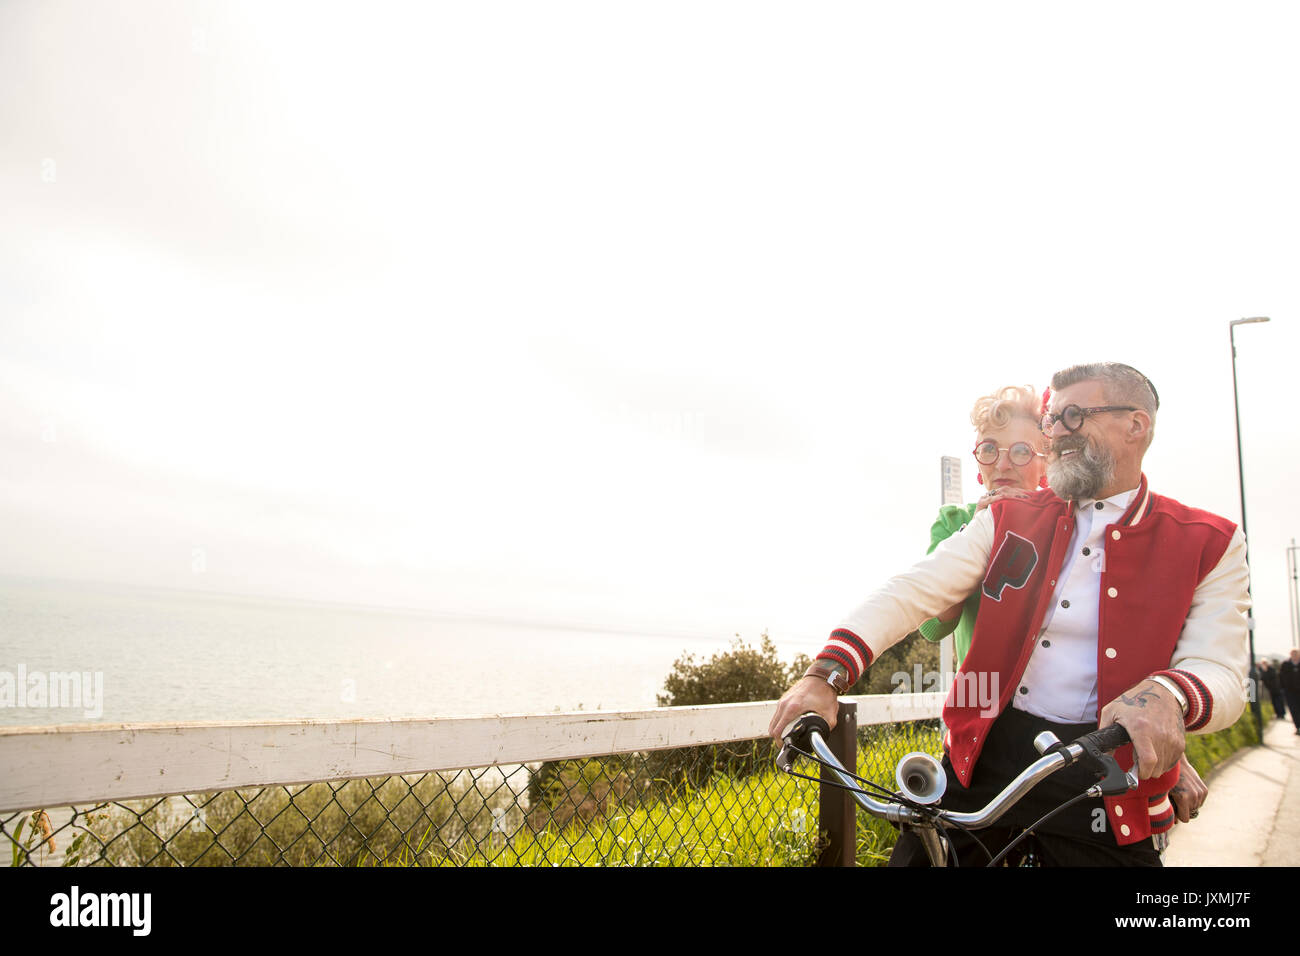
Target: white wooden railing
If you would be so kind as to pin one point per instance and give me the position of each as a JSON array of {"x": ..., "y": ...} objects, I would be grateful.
[{"x": 78, "y": 764}]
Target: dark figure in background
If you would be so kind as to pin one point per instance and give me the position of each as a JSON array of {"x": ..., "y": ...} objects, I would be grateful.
[
  {"x": 1271, "y": 679},
  {"x": 1289, "y": 676}
]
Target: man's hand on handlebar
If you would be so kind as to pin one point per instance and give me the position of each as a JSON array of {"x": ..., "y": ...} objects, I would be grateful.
[
  {"x": 808, "y": 694},
  {"x": 1154, "y": 721}
]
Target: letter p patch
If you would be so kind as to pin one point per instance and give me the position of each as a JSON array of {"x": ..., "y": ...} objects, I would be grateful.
[{"x": 1011, "y": 566}]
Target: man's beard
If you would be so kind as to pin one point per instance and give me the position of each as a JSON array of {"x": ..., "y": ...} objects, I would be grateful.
[{"x": 1083, "y": 474}]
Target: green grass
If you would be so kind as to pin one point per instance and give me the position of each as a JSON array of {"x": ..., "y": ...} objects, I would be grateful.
[{"x": 766, "y": 819}]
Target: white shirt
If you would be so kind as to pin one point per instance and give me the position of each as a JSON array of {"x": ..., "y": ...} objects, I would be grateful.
[{"x": 1060, "y": 680}]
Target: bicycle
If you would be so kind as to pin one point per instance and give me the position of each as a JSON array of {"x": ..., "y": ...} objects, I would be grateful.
[{"x": 922, "y": 782}]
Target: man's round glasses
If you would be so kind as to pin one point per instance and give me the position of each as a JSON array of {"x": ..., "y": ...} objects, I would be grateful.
[
  {"x": 1020, "y": 453},
  {"x": 1072, "y": 416}
]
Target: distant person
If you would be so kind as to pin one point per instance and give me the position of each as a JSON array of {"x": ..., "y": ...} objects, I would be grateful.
[
  {"x": 1271, "y": 679},
  {"x": 1289, "y": 678}
]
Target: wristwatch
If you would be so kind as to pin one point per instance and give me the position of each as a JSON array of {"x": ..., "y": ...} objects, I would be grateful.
[{"x": 834, "y": 674}]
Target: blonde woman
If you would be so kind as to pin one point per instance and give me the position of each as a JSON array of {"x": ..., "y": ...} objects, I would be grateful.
[{"x": 1009, "y": 454}]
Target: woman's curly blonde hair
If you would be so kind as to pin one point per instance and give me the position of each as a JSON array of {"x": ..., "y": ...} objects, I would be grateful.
[{"x": 996, "y": 410}]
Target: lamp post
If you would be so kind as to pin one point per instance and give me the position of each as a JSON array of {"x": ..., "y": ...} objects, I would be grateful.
[
  {"x": 1255, "y": 707},
  {"x": 1294, "y": 574}
]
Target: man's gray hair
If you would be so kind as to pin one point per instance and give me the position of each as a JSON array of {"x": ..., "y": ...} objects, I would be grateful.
[{"x": 1122, "y": 385}]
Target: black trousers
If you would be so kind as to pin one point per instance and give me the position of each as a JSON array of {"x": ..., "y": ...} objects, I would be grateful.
[
  {"x": 1077, "y": 836},
  {"x": 1051, "y": 849},
  {"x": 1293, "y": 701},
  {"x": 1279, "y": 704}
]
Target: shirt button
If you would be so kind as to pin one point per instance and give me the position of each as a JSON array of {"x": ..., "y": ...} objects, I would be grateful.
[
  {"x": 1112, "y": 592},
  {"x": 1115, "y": 535},
  {"x": 1046, "y": 642},
  {"x": 1087, "y": 551},
  {"x": 1119, "y": 811},
  {"x": 1100, "y": 506},
  {"x": 1024, "y": 690},
  {"x": 1124, "y": 829},
  {"x": 1065, "y": 603},
  {"x": 1111, "y": 653}
]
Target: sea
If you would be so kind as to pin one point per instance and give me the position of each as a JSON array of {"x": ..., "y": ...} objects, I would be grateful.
[{"x": 161, "y": 655}]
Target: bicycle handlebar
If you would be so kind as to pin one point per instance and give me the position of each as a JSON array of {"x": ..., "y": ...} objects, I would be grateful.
[{"x": 810, "y": 730}]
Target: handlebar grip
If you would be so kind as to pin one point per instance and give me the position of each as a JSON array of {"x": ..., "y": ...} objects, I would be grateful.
[{"x": 1109, "y": 738}]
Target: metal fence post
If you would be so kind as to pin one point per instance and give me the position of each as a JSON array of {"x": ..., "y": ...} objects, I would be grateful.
[{"x": 837, "y": 816}]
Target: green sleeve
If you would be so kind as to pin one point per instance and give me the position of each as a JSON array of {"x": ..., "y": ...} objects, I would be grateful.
[
  {"x": 952, "y": 518},
  {"x": 935, "y": 630}
]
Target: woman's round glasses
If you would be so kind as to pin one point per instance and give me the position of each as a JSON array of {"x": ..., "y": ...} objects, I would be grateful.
[{"x": 1020, "y": 453}]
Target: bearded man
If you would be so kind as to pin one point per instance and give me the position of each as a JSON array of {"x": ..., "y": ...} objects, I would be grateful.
[{"x": 1102, "y": 603}]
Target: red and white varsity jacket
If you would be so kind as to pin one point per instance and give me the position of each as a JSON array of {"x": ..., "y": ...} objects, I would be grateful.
[{"x": 1173, "y": 600}]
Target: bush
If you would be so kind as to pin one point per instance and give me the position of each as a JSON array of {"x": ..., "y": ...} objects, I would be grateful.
[
  {"x": 561, "y": 791},
  {"x": 1207, "y": 751},
  {"x": 903, "y": 657},
  {"x": 741, "y": 674}
]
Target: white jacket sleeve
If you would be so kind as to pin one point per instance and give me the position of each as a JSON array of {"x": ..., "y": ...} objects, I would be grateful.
[
  {"x": 944, "y": 577},
  {"x": 1211, "y": 662}
]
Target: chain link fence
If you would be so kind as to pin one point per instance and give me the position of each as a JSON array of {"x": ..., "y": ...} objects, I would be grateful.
[{"x": 716, "y": 805}]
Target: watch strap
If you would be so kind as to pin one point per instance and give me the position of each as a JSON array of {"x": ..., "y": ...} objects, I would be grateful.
[{"x": 835, "y": 674}]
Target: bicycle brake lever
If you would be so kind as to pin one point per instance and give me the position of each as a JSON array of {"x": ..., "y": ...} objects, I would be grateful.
[
  {"x": 785, "y": 758},
  {"x": 1113, "y": 780}
]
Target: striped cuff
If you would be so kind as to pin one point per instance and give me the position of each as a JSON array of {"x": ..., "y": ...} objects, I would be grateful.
[
  {"x": 845, "y": 647},
  {"x": 1200, "y": 705},
  {"x": 1161, "y": 810}
]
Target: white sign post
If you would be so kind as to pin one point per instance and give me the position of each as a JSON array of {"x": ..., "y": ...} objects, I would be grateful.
[
  {"x": 950, "y": 493},
  {"x": 950, "y": 481}
]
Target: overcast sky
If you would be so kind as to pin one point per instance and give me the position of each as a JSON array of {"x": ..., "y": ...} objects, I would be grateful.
[{"x": 656, "y": 315}]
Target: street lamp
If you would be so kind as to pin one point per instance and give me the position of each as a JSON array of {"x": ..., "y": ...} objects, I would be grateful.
[
  {"x": 1241, "y": 480},
  {"x": 1294, "y": 594}
]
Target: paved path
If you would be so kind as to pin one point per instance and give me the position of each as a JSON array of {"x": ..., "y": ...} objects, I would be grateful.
[{"x": 1252, "y": 814}]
